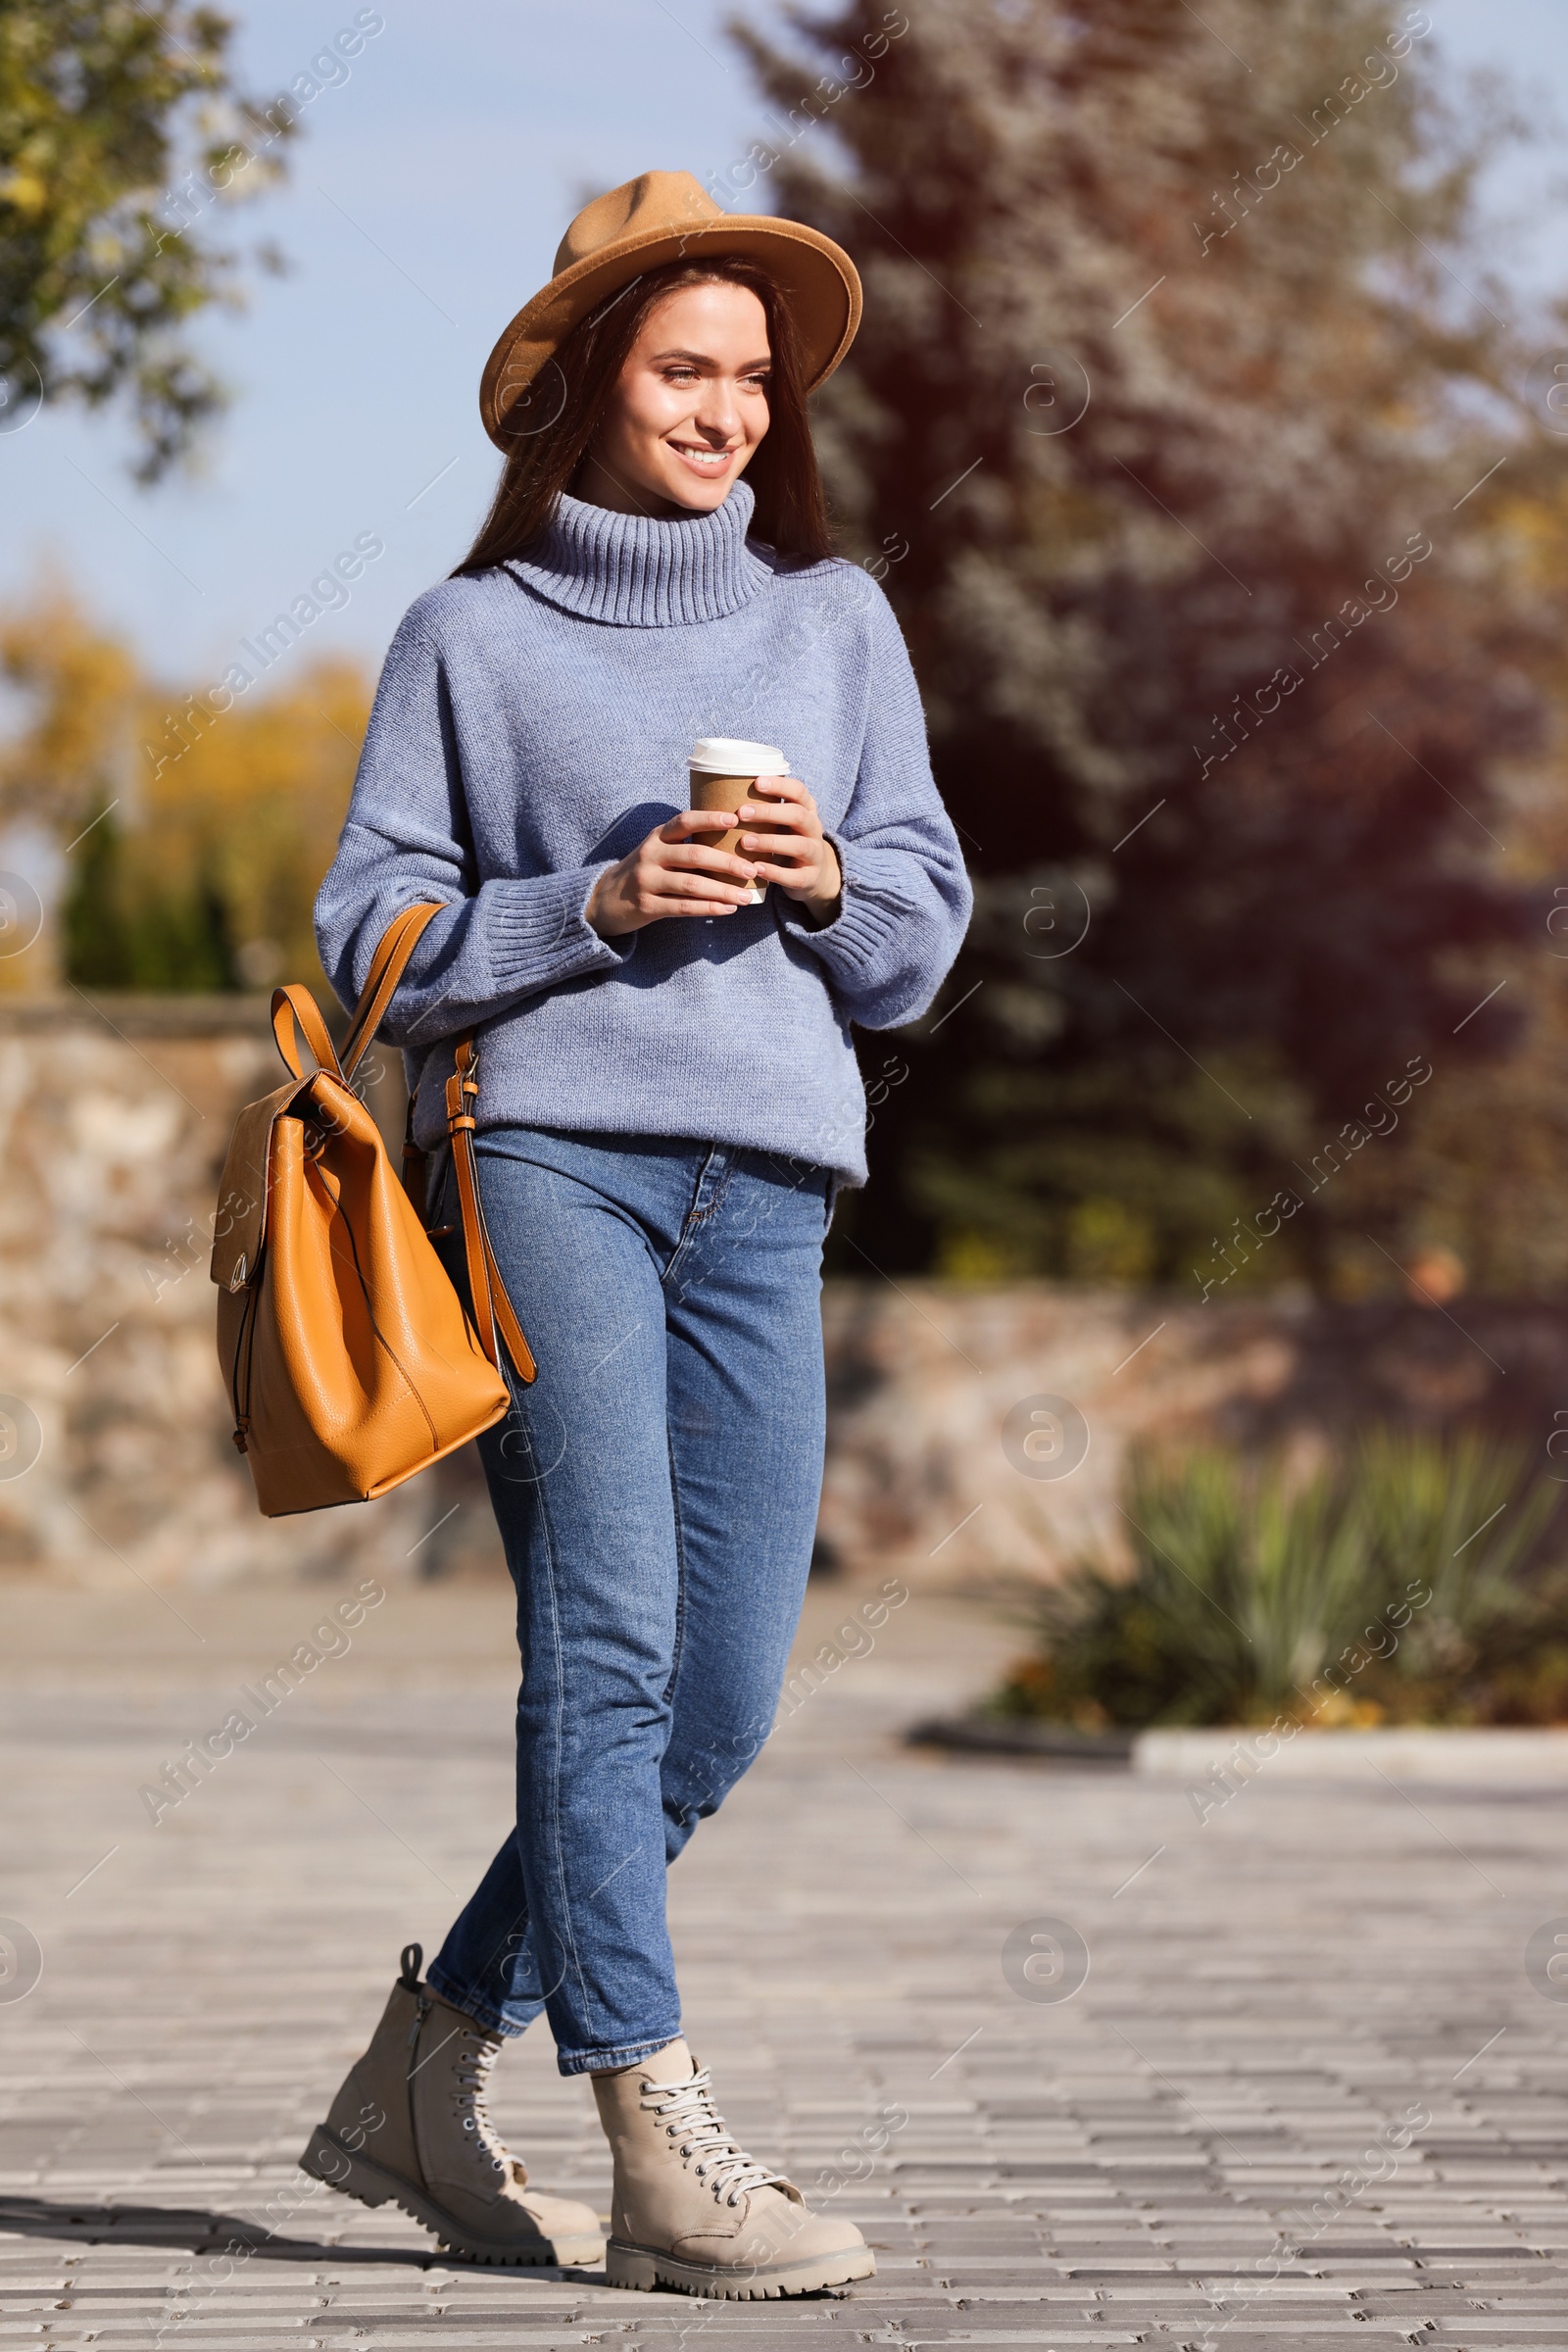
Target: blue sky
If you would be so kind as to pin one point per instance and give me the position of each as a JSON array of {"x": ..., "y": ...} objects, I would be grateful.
[{"x": 427, "y": 194}]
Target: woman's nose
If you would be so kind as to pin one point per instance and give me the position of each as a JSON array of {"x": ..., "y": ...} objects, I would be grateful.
[{"x": 716, "y": 410}]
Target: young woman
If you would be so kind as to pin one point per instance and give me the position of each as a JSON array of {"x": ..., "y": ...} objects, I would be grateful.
[{"x": 669, "y": 1101}]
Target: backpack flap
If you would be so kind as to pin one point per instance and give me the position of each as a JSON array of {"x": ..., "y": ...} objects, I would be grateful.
[{"x": 239, "y": 1221}]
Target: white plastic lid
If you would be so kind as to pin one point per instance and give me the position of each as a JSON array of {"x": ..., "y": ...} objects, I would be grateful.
[{"x": 725, "y": 756}]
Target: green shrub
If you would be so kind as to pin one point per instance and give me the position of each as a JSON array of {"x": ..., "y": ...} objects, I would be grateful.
[{"x": 1393, "y": 1587}]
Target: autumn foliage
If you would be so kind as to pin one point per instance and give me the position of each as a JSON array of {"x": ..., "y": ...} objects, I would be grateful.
[{"x": 196, "y": 871}]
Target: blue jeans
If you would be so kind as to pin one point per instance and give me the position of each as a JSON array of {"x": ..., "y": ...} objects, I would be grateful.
[{"x": 656, "y": 1491}]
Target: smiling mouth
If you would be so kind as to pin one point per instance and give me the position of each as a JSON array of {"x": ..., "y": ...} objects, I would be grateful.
[{"x": 704, "y": 461}]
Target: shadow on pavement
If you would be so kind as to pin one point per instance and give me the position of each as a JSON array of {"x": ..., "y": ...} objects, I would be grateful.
[{"x": 207, "y": 2232}]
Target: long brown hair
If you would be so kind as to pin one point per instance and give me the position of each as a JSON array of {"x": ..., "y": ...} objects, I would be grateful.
[{"x": 571, "y": 391}]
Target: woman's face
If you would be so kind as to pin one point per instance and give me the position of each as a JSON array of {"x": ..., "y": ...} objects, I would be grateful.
[{"x": 688, "y": 408}]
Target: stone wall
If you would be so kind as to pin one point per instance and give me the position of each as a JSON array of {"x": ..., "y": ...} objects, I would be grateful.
[
  {"x": 113, "y": 1122},
  {"x": 974, "y": 1432},
  {"x": 983, "y": 1434}
]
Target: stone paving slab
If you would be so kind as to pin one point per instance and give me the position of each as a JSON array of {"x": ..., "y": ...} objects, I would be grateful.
[{"x": 1306, "y": 2090}]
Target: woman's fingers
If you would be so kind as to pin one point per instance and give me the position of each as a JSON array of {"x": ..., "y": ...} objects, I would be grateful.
[
  {"x": 677, "y": 882},
  {"x": 791, "y": 859},
  {"x": 684, "y": 871},
  {"x": 697, "y": 820},
  {"x": 787, "y": 820},
  {"x": 774, "y": 788},
  {"x": 708, "y": 872},
  {"x": 756, "y": 846},
  {"x": 671, "y": 874},
  {"x": 792, "y": 815},
  {"x": 677, "y": 872},
  {"x": 791, "y": 855},
  {"x": 692, "y": 858},
  {"x": 667, "y": 910},
  {"x": 692, "y": 894}
]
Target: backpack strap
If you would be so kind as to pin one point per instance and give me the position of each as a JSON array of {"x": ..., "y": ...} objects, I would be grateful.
[
  {"x": 494, "y": 1315},
  {"x": 493, "y": 1310},
  {"x": 296, "y": 1014},
  {"x": 387, "y": 966}
]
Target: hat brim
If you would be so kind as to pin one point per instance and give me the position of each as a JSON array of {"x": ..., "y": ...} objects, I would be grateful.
[{"x": 817, "y": 278}]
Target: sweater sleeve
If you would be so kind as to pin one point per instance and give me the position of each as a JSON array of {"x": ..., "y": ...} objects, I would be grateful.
[
  {"x": 906, "y": 897},
  {"x": 406, "y": 840}
]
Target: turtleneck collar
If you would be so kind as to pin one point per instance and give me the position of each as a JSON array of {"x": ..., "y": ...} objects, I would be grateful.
[{"x": 634, "y": 572}]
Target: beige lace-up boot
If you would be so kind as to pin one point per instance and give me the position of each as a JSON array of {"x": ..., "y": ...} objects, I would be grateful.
[
  {"x": 692, "y": 2210},
  {"x": 410, "y": 2127}
]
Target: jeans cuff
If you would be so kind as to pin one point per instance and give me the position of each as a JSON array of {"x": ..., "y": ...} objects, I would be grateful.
[
  {"x": 601, "y": 2062},
  {"x": 494, "y": 2021}
]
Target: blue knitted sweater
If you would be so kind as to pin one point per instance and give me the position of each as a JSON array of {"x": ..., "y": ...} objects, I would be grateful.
[{"x": 532, "y": 724}]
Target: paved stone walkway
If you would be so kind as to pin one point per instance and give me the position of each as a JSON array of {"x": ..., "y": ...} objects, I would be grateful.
[{"x": 1306, "y": 2024}]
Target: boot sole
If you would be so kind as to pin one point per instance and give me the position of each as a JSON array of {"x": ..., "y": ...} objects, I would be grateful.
[
  {"x": 355, "y": 2176},
  {"x": 644, "y": 2267}
]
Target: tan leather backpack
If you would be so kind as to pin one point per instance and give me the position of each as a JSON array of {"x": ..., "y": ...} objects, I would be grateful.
[{"x": 348, "y": 1354}]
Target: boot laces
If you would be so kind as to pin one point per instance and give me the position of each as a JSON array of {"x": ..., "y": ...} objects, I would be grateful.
[
  {"x": 478, "y": 2052},
  {"x": 686, "y": 2111}
]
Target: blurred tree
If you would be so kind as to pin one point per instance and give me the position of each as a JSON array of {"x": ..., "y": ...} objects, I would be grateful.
[
  {"x": 202, "y": 877},
  {"x": 1482, "y": 1175},
  {"x": 117, "y": 933},
  {"x": 120, "y": 131},
  {"x": 252, "y": 813},
  {"x": 1168, "y": 426},
  {"x": 96, "y": 947},
  {"x": 78, "y": 693}
]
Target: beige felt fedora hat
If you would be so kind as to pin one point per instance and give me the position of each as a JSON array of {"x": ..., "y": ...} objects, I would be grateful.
[{"x": 667, "y": 216}]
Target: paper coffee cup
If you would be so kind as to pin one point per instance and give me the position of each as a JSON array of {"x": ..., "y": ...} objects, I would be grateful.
[{"x": 724, "y": 775}]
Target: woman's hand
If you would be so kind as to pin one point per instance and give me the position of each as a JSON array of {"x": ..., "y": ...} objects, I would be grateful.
[
  {"x": 792, "y": 852},
  {"x": 669, "y": 874}
]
